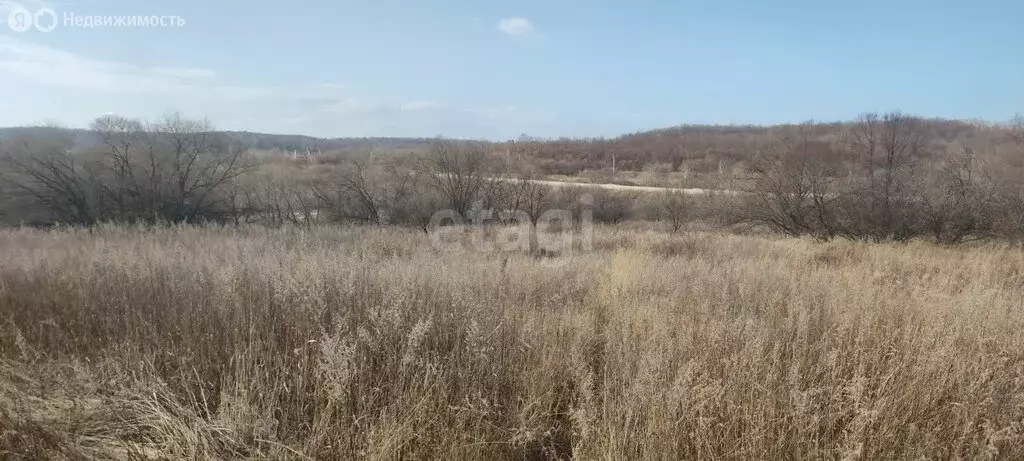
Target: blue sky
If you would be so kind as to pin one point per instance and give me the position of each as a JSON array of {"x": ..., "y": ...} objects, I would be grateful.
[{"x": 498, "y": 69}]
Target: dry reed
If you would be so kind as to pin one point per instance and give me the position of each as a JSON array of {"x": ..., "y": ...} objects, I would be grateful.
[{"x": 358, "y": 343}]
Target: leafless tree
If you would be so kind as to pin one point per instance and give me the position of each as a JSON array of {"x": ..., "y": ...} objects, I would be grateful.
[
  {"x": 458, "y": 173},
  {"x": 171, "y": 171},
  {"x": 510, "y": 196},
  {"x": 271, "y": 200},
  {"x": 497, "y": 196},
  {"x": 795, "y": 190},
  {"x": 881, "y": 206},
  {"x": 350, "y": 195},
  {"x": 196, "y": 163},
  {"x": 1017, "y": 128},
  {"x": 674, "y": 208},
  {"x": 896, "y": 194},
  {"x": 53, "y": 177},
  {"x": 124, "y": 139},
  {"x": 612, "y": 207},
  {"x": 372, "y": 193},
  {"x": 959, "y": 199},
  {"x": 1011, "y": 187},
  {"x": 536, "y": 197},
  {"x": 420, "y": 206}
]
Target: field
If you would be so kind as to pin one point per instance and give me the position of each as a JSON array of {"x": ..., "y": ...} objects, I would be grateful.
[{"x": 363, "y": 343}]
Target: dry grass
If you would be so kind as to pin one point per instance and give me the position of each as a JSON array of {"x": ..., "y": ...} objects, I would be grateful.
[{"x": 196, "y": 343}]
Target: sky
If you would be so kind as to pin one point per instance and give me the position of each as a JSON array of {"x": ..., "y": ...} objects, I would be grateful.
[{"x": 499, "y": 69}]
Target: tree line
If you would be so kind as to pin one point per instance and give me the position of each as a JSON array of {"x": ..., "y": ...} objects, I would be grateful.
[
  {"x": 881, "y": 178},
  {"x": 172, "y": 170},
  {"x": 897, "y": 185},
  {"x": 180, "y": 170}
]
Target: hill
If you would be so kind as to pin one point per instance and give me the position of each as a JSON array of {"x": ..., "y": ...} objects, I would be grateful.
[
  {"x": 701, "y": 150},
  {"x": 706, "y": 147},
  {"x": 84, "y": 139}
]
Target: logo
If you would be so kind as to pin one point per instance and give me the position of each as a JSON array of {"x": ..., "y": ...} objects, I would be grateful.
[
  {"x": 21, "y": 19},
  {"x": 45, "y": 20}
]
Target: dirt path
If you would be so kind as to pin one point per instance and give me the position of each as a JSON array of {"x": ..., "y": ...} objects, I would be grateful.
[{"x": 625, "y": 188}]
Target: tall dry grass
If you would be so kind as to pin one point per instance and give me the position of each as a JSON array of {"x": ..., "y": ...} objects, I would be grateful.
[{"x": 203, "y": 343}]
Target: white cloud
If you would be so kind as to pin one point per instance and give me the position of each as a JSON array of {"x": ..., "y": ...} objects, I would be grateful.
[
  {"x": 45, "y": 65},
  {"x": 420, "y": 105},
  {"x": 41, "y": 82},
  {"x": 516, "y": 26}
]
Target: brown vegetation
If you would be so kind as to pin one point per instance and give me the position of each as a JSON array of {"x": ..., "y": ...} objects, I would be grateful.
[
  {"x": 366, "y": 343},
  {"x": 698, "y": 154},
  {"x": 899, "y": 187},
  {"x": 275, "y": 336},
  {"x": 884, "y": 177},
  {"x": 174, "y": 170}
]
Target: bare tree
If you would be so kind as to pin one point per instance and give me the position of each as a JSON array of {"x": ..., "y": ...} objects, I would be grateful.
[
  {"x": 172, "y": 171},
  {"x": 959, "y": 199},
  {"x": 123, "y": 139},
  {"x": 458, "y": 173},
  {"x": 169, "y": 171},
  {"x": 612, "y": 207},
  {"x": 197, "y": 162},
  {"x": 272, "y": 200},
  {"x": 422, "y": 202},
  {"x": 1017, "y": 128},
  {"x": 350, "y": 195},
  {"x": 536, "y": 197},
  {"x": 510, "y": 196},
  {"x": 497, "y": 195},
  {"x": 897, "y": 193},
  {"x": 674, "y": 208},
  {"x": 881, "y": 207},
  {"x": 1011, "y": 187},
  {"x": 795, "y": 190},
  {"x": 53, "y": 177},
  {"x": 371, "y": 193}
]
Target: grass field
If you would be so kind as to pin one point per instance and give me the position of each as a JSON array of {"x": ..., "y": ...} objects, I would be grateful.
[{"x": 359, "y": 343}]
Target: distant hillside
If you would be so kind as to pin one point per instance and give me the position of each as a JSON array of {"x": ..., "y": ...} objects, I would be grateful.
[
  {"x": 705, "y": 148},
  {"x": 84, "y": 139},
  {"x": 264, "y": 141},
  {"x": 693, "y": 148}
]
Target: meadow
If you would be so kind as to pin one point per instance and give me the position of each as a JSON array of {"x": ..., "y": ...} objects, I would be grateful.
[{"x": 355, "y": 342}]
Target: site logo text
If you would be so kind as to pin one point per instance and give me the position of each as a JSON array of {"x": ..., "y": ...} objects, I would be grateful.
[{"x": 46, "y": 19}]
